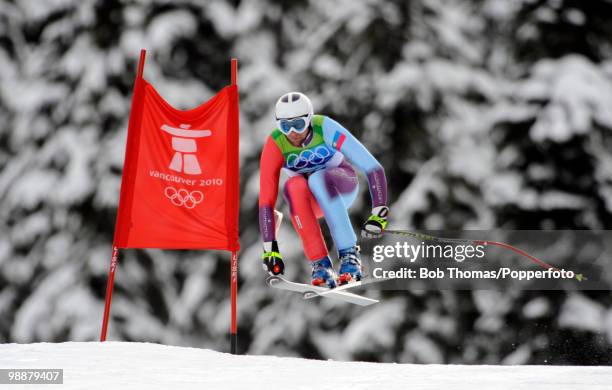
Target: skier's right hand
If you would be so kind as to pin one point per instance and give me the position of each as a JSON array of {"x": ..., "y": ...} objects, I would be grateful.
[
  {"x": 272, "y": 259},
  {"x": 375, "y": 226}
]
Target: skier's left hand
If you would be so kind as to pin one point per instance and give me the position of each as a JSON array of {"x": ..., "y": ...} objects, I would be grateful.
[
  {"x": 272, "y": 259},
  {"x": 376, "y": 223}
]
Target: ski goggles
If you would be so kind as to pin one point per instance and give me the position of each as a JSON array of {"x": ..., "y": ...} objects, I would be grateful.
[{"x": 297, "y": 124}]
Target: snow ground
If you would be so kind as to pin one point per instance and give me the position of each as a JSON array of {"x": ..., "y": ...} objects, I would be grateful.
[{"x": 122, "y": 365}]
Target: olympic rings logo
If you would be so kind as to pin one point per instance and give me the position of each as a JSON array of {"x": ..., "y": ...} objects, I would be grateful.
[
  {"x": 183, "y": 197},
  {"x": 308, "y": 156}
]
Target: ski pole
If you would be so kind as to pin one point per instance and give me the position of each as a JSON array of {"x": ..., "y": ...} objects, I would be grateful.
[{"x": 427, "y": 237}]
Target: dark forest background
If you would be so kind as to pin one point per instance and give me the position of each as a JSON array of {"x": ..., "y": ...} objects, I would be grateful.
[{"x": 486, "y": 114}]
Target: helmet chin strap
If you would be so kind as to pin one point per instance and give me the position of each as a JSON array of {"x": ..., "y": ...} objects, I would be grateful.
[{"x": 308, "y": 136}]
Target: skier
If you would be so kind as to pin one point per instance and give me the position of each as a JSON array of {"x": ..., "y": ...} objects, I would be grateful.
[{"x": 316, "y": 153}]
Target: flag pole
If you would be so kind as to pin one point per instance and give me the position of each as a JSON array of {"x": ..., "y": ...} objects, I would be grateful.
[
  {"x": 234, "y": 71},
  {"x": 234, "y": 261},
  {"x": 109, "y": 291},
  {"x": 234, "y": 296},
  {"x": 115, "y": 254}
]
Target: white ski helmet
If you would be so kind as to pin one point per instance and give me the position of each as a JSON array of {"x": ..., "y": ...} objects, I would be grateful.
[{"x": 294, "y": 105}]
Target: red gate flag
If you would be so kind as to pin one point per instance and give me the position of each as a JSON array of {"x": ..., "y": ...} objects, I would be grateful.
[{"x": 180, "y": 182}]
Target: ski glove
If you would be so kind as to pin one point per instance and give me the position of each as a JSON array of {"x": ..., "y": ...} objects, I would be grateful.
[
  {"x": 375, "y": 225},
  {"x": 272, "y": 259}
]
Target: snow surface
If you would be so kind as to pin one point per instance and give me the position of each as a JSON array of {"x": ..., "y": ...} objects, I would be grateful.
[{"x": 121, "y": 365}]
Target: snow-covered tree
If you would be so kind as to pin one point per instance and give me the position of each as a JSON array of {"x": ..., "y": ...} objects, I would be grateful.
[{"x": 485, "y": 113}]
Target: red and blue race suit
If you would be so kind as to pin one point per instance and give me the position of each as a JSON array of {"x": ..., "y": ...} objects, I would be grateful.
[{"x": 321, "y": 183}]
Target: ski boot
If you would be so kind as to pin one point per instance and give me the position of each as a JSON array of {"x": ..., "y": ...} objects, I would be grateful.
[
  {"x": 350, "y": 266},
  {"x": 323, "y": 273}
]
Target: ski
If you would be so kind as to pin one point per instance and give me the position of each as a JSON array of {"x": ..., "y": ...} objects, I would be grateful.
[
  {"x": 344, "y": 287},
  {"x": 310, "y": 295},
  {"x": 307, "y": 289}
]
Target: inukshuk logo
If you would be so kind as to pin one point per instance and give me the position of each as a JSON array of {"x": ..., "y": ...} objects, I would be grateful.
[
  {"x": 184, "y": 161},
  {"x": 185, "y": 147}
]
